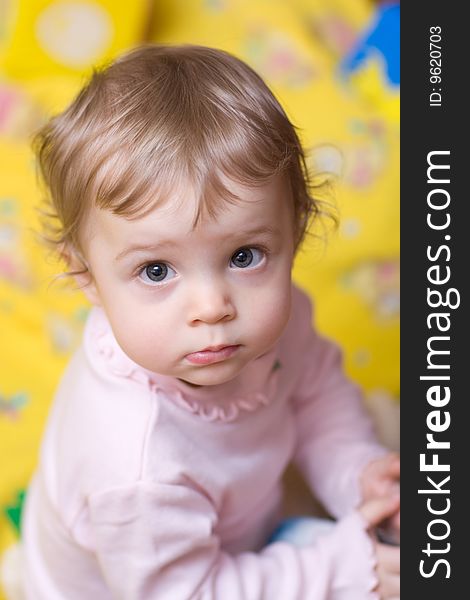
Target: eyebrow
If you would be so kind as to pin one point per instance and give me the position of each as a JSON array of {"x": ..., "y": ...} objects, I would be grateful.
[{"x": 138, "y": 247}]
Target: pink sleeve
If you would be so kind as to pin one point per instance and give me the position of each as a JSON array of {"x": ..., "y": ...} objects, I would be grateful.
[
  {"x": 160, "y": 542},
  {"x": 335, "y": 434}
]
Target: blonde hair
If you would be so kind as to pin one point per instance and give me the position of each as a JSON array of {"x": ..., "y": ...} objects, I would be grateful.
[{"x": 160, "y": 115}]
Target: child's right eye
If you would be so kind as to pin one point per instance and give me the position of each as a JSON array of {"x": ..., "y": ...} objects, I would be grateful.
[{"x": 155, "y": 273}]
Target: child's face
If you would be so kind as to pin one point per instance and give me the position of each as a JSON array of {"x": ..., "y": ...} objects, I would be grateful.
[{"x": 195, "y": 303}]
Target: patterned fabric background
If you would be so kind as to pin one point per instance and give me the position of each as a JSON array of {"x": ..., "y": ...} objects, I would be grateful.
[{"x": 334, "y": 66}]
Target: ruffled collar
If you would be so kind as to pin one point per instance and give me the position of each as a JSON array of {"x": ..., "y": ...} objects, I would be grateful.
[{"x": 247, "y": 393}]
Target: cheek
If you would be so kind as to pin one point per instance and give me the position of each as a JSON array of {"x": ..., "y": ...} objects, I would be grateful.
[
  {"x": 144, "y": 337},
  {"x": 271, "y": 312}
]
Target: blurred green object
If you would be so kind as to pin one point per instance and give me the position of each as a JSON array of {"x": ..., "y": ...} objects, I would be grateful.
[{"x": 14, "y": 511}]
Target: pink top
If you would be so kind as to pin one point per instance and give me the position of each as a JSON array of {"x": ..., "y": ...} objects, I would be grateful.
[{"x": 149, "y": 488}]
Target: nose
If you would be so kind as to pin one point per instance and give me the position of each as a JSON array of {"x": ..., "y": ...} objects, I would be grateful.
[{"x": 210, "y": 302}]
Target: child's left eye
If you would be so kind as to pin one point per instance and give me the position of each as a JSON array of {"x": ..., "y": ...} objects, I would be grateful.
[{"x": 246, "y": 257}]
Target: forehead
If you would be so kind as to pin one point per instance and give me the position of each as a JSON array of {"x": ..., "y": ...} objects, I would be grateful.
[{"x": 264, "y": 206}]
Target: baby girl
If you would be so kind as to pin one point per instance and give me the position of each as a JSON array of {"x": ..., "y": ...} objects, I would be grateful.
[{"x": 179, "y": 197}]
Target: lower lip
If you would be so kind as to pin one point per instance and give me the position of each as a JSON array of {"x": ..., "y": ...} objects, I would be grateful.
[{"x": 208, "y": 357}]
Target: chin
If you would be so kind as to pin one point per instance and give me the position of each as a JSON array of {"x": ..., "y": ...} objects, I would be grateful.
[{"x": 212, "y": 375}]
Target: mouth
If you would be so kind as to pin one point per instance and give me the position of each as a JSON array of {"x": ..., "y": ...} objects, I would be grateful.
[{"x": 213, "y": 354}]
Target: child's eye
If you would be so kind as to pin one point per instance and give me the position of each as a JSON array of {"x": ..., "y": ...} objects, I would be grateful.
[
  {"x": 246, "y": 257},
  {"x": 156, "y": 273}
]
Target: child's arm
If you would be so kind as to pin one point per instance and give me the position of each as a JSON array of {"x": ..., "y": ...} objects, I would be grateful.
[
  {"x": 160, "y": 541},
  {"x": 388, "y": 557},
  {"x": 381, "y": 478},
  {"x": 388, "y": 571},
  {"x": 335, "y": 434}
]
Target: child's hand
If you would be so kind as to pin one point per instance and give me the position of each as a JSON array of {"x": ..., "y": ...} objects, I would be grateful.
[
  {"x": 388, "y": 557},
  {"x": 379, "y": 479}
]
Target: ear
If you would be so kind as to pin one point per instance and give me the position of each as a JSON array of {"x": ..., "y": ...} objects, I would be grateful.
[{"x": 79, "y": 269}]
